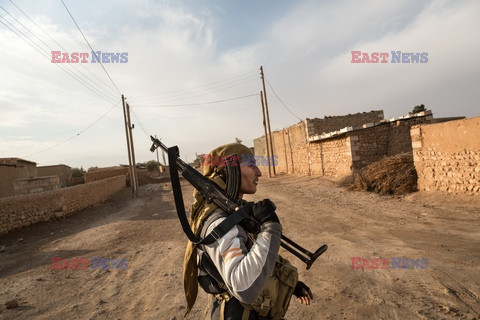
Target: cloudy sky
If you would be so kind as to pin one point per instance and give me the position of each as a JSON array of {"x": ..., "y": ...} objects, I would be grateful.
[{"x": 192, "y": 76}]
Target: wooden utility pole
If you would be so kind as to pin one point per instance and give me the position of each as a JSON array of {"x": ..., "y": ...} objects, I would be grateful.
[
  {"x": 268, "y": 118},
  {"x": 127, "y": 134},
  {"x": 156, "y": 150},
  {"x": 266, "y": 138},
  {"x": 135, "y": 177}
]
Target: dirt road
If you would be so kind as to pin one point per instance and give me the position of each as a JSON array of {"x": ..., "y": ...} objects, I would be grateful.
[{"x": 444, "y": 229}]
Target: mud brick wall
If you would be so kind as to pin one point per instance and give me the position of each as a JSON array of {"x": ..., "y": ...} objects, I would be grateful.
[
  {"x": 369, "y": 145},
  {"x": 25, "y": 210},
  {"x": 331, "y": 157},
  {"x": 35, "y": 185},
  {"x": 62, "y": 171},
  {"x": 290, "y": 148},
  {"x": 333, "y": 123},
  {"x": 104, "y": 173},
  {"x": 447, "y": 156}
]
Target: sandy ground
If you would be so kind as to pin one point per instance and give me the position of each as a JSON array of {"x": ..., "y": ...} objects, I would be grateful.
[{"x": 441, "y": 228}]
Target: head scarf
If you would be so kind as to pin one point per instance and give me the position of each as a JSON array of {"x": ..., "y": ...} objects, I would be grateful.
[{"x": 201, "y": 210}]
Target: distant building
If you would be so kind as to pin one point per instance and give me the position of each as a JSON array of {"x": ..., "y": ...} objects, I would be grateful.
[
  {"x": 12, "y": 169},
  {"x": 63, "y": 172}
]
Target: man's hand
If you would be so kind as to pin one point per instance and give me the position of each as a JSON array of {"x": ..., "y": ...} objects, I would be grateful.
[{"x": 303, "y": 293}]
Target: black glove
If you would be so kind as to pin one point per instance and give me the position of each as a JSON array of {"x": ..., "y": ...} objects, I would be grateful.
[
  {"x": 264, "y": 211},
  {"x": 249, "y": 223},
  {"x": 298, "y": 292},
  {"x": 257, "y": 214}
]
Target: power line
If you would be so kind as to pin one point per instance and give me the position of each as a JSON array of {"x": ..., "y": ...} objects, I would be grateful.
[
  {"x": 199, "y": 103},
  {"x": 90, "y": 46},
  {"x": 187, "y": 95},
  {"x": 39, "y": 50},
  {"x": 210, "y": 85},
  {"x": 59, "y": 45},
  {"x": 146, "y": 133},
  {"x": 77, "y": 134},
  {"x": 283, "y": 103}
]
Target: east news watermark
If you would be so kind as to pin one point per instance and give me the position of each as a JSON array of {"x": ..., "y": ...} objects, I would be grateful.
[
  {"x": 242, "y": 160},
  {"x": 389, "y": 57},
  {"x": 397, "y": 263},
  {"x": 93, "y": 263},
  {"x": 92, "y": 57}
]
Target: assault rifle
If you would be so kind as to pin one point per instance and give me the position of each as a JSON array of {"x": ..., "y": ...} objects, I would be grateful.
[{"x": 226, "y": 200}]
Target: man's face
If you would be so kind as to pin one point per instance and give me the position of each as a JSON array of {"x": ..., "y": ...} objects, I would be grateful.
[{"x": 250, "y": 175}]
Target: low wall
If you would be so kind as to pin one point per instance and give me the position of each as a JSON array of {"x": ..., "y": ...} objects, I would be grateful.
[
  {"x": 25, "y": 210},
  {"x": 447, "y": 156},
  {"x": 103, "y": 173},
  {"x": 36, "y": 185}
]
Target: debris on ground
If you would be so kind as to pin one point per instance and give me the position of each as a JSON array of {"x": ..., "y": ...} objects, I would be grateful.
[{"x": 391, "y": 175}]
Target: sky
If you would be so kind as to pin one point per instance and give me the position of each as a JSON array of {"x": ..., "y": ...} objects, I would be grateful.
[{"x": 193, "y": 72}]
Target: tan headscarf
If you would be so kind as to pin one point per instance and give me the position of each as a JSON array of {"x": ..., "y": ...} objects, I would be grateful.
[{"x": 201, "y": 210}]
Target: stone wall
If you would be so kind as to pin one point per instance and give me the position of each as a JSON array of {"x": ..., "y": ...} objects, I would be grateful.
[
  {"x": 22, "y": 211},
  {"x": 447, "y": 156}
]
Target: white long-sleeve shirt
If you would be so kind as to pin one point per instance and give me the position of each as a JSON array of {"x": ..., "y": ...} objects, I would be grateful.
[{"x": 244, "y": 271}]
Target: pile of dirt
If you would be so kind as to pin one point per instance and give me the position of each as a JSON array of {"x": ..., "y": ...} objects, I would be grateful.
[{"x": 391, "y": 175}]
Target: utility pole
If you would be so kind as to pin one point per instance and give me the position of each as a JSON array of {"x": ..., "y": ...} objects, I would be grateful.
[
  {"x": 156, "y": 150},
  {"x": 131, "y": 154},
  {"x": 127, "y": 134},
  {"x": 135, "y": 177},
  {"x": 268, "y": 118},
  {"x": 266, "y": 138}
]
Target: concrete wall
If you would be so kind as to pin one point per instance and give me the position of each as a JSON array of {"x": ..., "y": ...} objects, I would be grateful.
[
  {"x": 22, "y": 211},
  {"x": 447, "y": 155},
  {"x": 62, "y": 171},
  {"x": 36, "y": 185}
]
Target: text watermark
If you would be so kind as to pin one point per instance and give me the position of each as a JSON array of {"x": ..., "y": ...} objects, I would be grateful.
[
  {"x": 397, "y": 263},
  {"x": 95, "y": 263},
  {"x": 82, "y": 57},
  {"x": 385, "y": 57},
  {"x": 244, "y": 160}
]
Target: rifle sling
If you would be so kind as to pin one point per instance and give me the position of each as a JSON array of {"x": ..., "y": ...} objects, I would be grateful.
[
  {"x": 224, "y": 226},
  {"x": 219, "y": 231}
]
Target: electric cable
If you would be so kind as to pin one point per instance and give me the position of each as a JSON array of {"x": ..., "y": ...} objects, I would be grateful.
[
  {"x": 101, "y": 64},
  {"x": 59, "y": 45},
  {"x": 283, "y": 103},
  {"x": 198, "y": 103},
  {"x": 77, "y": 134},
  {"x": 39, "y": 50}
]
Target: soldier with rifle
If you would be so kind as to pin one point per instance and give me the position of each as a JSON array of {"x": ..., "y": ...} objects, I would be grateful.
[
  {"x": 233, "y": 244},
  {"x": 242, "y": 269}
]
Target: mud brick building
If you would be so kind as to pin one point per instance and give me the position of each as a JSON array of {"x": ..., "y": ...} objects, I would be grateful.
[
  {"x": 63, "y": 172},
  {"x": 337, "y": 146},
  {"x": 12, "y": 169},
  {"x": 447, "y": 156}
]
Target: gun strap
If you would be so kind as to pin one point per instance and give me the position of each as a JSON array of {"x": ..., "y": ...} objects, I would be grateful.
[
  {"x": 177, "y": 195},
  {"x": 224, "y": 226},
  {"x": 219, "y": 231}
]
